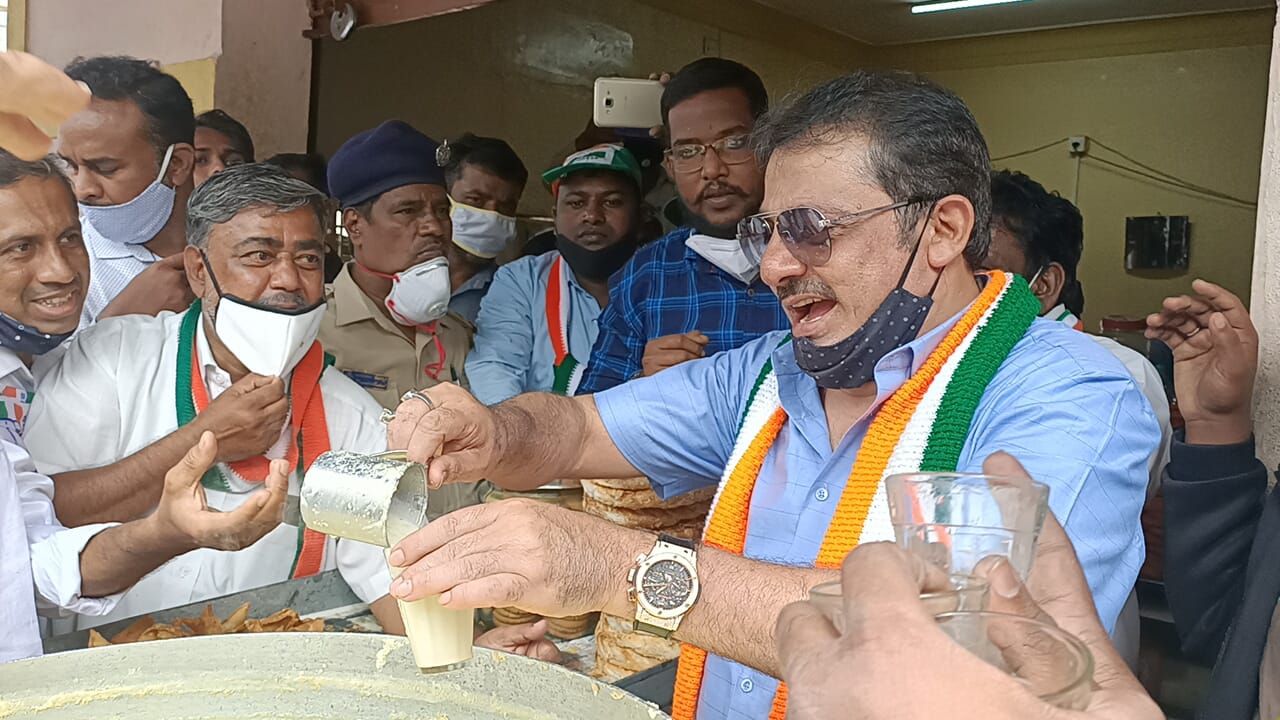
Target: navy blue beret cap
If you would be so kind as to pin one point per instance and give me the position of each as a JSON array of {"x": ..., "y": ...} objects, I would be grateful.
[{"x": 389, "y": 156}]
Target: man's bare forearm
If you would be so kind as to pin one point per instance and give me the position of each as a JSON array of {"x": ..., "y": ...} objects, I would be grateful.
[
  {"x": 739, "y": 604},
  {"x": 116, "y": 558},
  {"x": 542, "y": 437},
  {"x": 124, "y": 490}
]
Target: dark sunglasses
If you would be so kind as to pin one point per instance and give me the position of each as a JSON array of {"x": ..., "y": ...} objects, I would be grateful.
[{"x": 805, "y": 231}]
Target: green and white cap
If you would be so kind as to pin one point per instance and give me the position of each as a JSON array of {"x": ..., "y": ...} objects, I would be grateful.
[{"x": 601, "y": 157}]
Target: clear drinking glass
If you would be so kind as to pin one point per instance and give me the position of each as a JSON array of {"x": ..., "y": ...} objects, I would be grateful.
[
  {"x": 1049, "y": 661},
  {"x": 955, "y": 520},
  {"x": 967, "y": 592}
]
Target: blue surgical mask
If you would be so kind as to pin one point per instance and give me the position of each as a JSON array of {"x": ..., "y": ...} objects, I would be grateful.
[
  {"x": 139, "y": 220},
  {"x": 27, "y": 340}
]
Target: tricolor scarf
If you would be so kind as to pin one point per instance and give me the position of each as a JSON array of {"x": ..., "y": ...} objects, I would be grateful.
[
  {"x": 921, "y": 427},
  {"x": 568, "y": 371},
  {"x": 310, "y": 430},
  {"x": 1061, "y": 314}
]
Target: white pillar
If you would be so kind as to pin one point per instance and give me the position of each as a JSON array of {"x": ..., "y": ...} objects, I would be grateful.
[{"x": 1265, "y": 302}]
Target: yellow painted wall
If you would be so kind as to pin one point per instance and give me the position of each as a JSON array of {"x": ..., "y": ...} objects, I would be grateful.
[
  {"x": 1186, "y": 95},
  {"x": 1197, "y": 114},
  {"x": 16, "y": 34},
  {"x": 472, "y": 71},
  {"x": 197, "y": 77}
]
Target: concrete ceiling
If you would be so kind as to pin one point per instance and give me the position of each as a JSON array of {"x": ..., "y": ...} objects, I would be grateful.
[{"x": 890, "y": 22}]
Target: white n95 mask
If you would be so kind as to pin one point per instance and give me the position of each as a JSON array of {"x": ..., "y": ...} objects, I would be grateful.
[
  {"x": 139, "y": 220},
  {"x": 420, "y": 295},
  {"x": 725, "y": 254},
  {"x": 483, "y": 233},
  {"x": 266, "y": 340},
  {"x": 269, "y": 341}
]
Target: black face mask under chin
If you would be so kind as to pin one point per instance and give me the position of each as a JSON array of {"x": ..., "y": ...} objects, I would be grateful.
[
  {"x": 851, "y": 362},
  {"x": 595, "y": 264}
]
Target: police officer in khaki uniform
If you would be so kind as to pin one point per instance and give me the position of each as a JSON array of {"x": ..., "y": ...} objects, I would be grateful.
[{"x": 387, "y": 324}]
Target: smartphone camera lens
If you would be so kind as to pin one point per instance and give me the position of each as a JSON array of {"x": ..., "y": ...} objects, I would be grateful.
[{"x": 608, "y": 102}]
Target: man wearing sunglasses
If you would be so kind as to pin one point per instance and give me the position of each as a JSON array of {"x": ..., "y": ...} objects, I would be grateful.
[
  {"x": 900, "y": 359},
  {"x": 694, "y": 292}
]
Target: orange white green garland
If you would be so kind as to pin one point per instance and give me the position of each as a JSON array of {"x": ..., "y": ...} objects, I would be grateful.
[{"x": 921, "y": 427}]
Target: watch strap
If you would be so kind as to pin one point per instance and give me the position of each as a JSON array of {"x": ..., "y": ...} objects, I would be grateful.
[
  {"x": 679, "y": 542},
  {"x": 658, "y": 630}
]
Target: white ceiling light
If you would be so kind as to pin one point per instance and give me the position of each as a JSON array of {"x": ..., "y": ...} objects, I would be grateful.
[{"x": 956, "y": 5}]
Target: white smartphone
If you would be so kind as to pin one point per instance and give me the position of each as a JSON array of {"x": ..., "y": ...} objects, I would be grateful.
[{"x": 627, "y": 103}]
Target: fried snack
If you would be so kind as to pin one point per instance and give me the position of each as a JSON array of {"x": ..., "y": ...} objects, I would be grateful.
[
  {"x": 236, "y": 619},
  {"x": 643, "y": 498},
  {"x": 639, "y": 483},
  {"x": 569, "y": 628},
  {"x": 644, "y": 519},
  {"x": 145, "y": 628},
  {"x": 134, "y": 631}
]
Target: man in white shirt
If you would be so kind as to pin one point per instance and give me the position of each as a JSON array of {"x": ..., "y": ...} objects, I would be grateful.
[
  {"x": 45, "y": 567},
  {"x": 144, "y": 388},
  {"x": 130, "y": 156}
]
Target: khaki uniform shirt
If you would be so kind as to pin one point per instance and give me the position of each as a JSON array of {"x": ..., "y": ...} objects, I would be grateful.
[{"x": 373, "y": 351}]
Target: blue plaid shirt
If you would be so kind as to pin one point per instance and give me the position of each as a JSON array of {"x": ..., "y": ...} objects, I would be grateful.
[{"x": 668, "y": 289}]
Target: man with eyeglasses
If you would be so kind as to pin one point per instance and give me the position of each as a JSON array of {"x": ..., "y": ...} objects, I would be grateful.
[
  {"x": 900, "y": 359},
  {"x": 694, "y": 292}
]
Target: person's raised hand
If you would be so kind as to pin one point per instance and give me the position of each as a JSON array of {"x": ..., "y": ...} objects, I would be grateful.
[
  {"x": 161, "y": 286},
  {"x": 452, "y": 433},
  {"x": 656, "y": 131},
  {"x": 890, "y": 660},
  {"x": 34, "y": 95},
  {"x": 529, "y": 639},
  {"x": 1215, "y": 352},
  {"x": 185, "y": 515},
  {"x": 248, "y": 418},
  {"x": 671, "y": 350}
]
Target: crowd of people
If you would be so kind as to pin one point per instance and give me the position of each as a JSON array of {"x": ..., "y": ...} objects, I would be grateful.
[{"x": 844, "y": 290}]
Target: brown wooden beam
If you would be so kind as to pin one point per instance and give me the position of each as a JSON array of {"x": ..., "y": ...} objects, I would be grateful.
[{"x": 374, "y": 13}]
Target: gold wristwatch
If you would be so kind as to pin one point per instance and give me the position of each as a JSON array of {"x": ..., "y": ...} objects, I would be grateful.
[{"x": 664, "y": 585}]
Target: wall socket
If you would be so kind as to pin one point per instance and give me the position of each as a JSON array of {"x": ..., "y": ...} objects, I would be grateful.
[{"x": 1078, "y": 145}]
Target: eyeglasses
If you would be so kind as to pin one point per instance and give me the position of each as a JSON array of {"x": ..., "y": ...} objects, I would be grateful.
[
  {"x": 805, "y": 231},
  {"x": 689, "y": 157}
]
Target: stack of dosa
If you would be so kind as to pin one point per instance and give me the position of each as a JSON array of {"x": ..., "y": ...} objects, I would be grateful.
[{"x": 632, "y": 503}]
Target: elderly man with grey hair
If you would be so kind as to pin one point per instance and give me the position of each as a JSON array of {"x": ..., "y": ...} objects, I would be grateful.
[{"x": 243, "y": 363}]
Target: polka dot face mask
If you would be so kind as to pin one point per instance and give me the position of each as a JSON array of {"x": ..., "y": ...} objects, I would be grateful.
[{"x": 851, "y": 362}]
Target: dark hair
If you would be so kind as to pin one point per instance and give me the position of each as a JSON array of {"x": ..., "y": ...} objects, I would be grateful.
[
  {"x": 713, "y": 73},
  {"x": 238, "y": 188},
  {"x": 14, "y": 170},
  {"x": 220, "y": 122},
  {"x": 160, "y": 97},
  {"x": 1047, "y": 226},
  {"x": 924, "y": 143},
  {"x": 310, "y": 168},
  {"x": 489, "y": 154}
]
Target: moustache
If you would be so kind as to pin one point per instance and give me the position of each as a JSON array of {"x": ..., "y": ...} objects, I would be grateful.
[
  {"x": 719, "y": 188},
  {"x": 284, "y": 301},
  {"x": 805, "y": 286}
]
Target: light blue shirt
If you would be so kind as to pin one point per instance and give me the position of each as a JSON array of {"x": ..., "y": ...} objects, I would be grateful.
[
  {"x": 466, "y": 300},
  {"x": 1060, "y": 404},
  {"x": 513, "y": 352}
]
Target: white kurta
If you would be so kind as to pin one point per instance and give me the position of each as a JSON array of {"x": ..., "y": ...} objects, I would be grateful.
[
  {"x": 118, "y": 379},
  {"x": 39, "y": 559}
]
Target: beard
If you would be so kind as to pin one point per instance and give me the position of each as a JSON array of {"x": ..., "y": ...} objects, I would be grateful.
[{"x": 703, "y": 226}]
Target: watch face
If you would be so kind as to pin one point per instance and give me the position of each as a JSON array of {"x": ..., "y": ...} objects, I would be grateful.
[{"x": 667, "y": 584}]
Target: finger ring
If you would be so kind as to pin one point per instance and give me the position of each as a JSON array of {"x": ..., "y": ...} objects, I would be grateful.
[
  {"x": 387, "y": 416},
  {"x": 1193, "y": 333},
  {"x": 414, "y": 394}
]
